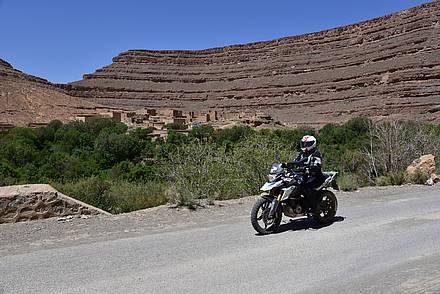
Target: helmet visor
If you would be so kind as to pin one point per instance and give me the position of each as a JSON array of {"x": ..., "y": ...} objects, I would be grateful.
[{"x": 306, "y": 144}]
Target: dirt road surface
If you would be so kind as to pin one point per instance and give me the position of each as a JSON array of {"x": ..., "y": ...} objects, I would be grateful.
[{"x": 385, "y": 240}]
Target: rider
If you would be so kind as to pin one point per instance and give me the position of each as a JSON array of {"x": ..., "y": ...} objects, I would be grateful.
[{"x": 310, "y": 161}]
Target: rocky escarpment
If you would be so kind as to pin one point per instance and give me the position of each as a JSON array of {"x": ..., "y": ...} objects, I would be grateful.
[
  {"x": 31, "y": 202},
  {"x": 26, "y": 99},
  {"x": 387, "y": 67}
]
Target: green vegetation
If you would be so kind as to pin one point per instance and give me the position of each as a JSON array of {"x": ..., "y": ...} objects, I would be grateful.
[
  {"x": 392, "y": 178},
  {"x": 102, "y": 163},
  {"x": 419, "y": 177},
  {"x": 348, "y": 182}
]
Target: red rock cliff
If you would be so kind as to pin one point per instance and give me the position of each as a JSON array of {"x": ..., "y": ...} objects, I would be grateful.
[
  {"x": 385, "y": 68},
  {"x": 26, "y": 99}
]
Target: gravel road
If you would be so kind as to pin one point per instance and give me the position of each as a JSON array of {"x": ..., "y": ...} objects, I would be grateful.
[{"x": 385, "y": 240}]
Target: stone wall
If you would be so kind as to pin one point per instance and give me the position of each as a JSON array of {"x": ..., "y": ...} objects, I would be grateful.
[{"x": 31, "y": 202}]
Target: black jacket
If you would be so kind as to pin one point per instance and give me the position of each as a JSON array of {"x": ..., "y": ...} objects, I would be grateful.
[{"x": 311, "y": 162}]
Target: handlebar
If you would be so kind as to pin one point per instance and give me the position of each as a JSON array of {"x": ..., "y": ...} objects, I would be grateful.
[{"x": 298, "y": 163}]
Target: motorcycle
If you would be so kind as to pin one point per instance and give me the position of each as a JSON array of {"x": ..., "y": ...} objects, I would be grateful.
[{"x": 282, "y": 195}]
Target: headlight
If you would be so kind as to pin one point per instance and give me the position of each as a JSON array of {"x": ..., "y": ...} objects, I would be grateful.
[{"x": 271, "y": 178}]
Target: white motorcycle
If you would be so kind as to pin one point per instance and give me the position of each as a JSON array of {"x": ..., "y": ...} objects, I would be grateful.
[{"x": 282, "y": 194}]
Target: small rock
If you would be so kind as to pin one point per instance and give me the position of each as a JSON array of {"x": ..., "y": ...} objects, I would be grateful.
[
  {"x": 65, "y": 218},
  {"x": 430, "y": 182},
  {"x": 435, "y": 178}
]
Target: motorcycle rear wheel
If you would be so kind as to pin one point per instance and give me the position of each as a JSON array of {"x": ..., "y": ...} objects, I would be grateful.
[
  {"x": 260, "y": 212},
  {"x": 327, "y": 207}
]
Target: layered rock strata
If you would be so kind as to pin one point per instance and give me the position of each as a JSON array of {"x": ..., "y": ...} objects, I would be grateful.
[
  {"x": 31, "y": 202},
  {"x": 25, "y": 99},
  {"x": 384, "y": 68}
]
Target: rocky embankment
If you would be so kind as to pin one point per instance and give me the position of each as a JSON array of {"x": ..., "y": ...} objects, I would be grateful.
[
  {"x": 384, "y": 68},
  {"x": 26, "y": 99}
]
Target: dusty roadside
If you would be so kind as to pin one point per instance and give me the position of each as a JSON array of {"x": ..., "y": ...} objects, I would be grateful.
[{"x": 52, "y": 233}]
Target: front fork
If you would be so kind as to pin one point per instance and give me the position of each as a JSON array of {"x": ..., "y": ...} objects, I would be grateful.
[{"x": 275, "y": 204}]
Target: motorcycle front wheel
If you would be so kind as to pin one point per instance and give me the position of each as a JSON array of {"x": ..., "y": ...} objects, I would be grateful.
[
  {"x": 260, "y": 217},
  {"x": 327, "y": 207}
]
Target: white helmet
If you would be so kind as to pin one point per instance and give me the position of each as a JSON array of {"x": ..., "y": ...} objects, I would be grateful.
[{"x": 307, "y": 143}]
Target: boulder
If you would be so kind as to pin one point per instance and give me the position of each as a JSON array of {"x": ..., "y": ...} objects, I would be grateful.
[{"x": 425, "y": 163}]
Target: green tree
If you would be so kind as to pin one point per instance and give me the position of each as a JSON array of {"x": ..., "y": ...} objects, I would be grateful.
[
  {"x": 18, "y": 152},
  {"x": 111, "y": 148}
]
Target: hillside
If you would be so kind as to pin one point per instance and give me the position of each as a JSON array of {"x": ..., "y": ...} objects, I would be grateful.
[
  {"x": 26, "y": 99},
  {"x": 383, "y": 68}
]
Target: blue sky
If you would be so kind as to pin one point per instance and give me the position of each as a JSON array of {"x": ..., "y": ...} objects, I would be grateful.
[{"x": 60, "y": 40}]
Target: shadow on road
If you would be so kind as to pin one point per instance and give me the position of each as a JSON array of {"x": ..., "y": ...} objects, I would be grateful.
[{"x": 306, "y": 224}]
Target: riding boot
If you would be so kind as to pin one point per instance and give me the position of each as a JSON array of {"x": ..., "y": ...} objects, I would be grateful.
[{"x": 314, "y": 200}]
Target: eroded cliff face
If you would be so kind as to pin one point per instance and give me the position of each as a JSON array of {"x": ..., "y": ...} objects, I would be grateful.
[
  {"x": 385, "y": 68},
  {"x": 26, "y": 99}
]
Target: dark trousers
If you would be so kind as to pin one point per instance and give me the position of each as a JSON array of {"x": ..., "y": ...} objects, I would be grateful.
[{"x": 312, "y": 197}]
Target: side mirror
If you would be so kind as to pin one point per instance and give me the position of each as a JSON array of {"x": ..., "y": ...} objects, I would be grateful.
[{"x": 277, "y": 157}]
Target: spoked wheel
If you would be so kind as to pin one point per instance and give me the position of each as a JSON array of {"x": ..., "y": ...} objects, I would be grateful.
[
  {"x": 327, "y": 208},
  {"x": 260, "y": 217}
]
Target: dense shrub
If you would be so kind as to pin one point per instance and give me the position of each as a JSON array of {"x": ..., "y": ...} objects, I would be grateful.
[
  {"x": 129, "y": 196},
  {"x": 206, "y": 171},
  {"x": 18, "y": 152},
  {"x": 89, "y": 190},
  {"x": 142, "y": 172},
  {"x": 419, "y": 177},
  {"x": 8, "y": 175},
  {"x": 111, "y": 148},
  {"x": 348, "y": 182},
  {"x": 115, "y": 196},
  {"x": 391, "y": 179},
  {"x": 383, "y": 181}
]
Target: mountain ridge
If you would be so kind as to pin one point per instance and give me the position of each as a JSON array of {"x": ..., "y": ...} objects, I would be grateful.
[
  {"x": 385, "y": 68},
  {"x": 26, "y": 99}
]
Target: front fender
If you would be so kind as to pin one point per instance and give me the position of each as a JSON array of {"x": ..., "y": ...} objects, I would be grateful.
[{"x": 270, "y": 185}]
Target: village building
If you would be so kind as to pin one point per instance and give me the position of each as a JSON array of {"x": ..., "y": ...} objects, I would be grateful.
[{"x": 158, "y": 119}]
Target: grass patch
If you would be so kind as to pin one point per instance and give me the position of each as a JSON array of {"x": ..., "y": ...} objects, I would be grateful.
[
  {"x": 383, "y": 181},
  {"x": 392, "y": 179},
  {"x": 135, "y": 196},
  {"x": 348, "y": 182},
  {"x": 115, "y": 196}
]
